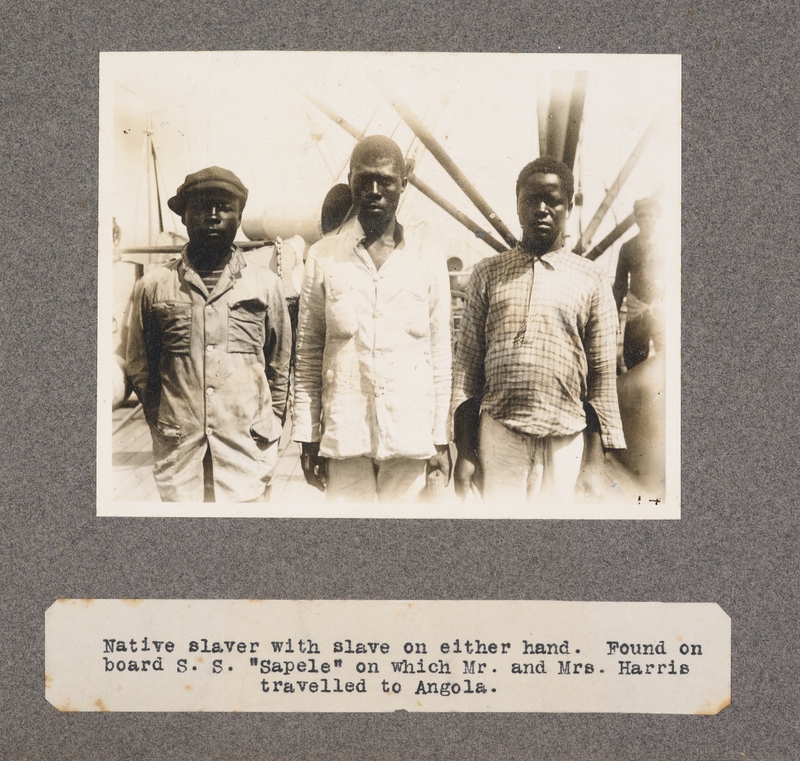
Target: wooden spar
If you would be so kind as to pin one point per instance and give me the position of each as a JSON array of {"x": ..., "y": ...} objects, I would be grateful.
[
  {"x": 558, "y": 113},
  {"x": 331, "y": 114},
  {"x": 542, "y": 105},
  {"x": 419, "y": 184},
  {"x": 444, "y": 204},
  {"x": 439, "y": 153},
  {"x": 575, "y": 117},
  {"x": 615, "y": 188},
  {"x": 611, "y": 238},
  {"x": 155, "y": 176},
  {"x": 621, "y": 228}
]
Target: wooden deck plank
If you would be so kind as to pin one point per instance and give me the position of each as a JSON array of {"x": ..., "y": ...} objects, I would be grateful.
[
  {"x": 133, "y": 470},
  {"x": 132, "y": 466}
]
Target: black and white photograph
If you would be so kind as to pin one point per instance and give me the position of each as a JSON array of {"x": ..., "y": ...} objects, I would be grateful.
[
  {"x": 389, "y": 285},
  {"x": 513, "y": 278}
]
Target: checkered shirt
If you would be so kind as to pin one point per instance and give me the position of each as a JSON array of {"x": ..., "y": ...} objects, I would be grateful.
[{"x": 538, "y": 342}]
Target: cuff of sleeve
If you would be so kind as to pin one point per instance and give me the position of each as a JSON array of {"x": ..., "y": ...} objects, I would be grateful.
[
  {"x": 611, "y": 434},
  {"x": 612, "y": 441},
  {"x": 443, "y": 433},
  {"x": 306, "y": 433}
]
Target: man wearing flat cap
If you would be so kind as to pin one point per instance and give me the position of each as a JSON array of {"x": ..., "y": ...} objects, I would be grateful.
[{"x": 208, "y": 353}]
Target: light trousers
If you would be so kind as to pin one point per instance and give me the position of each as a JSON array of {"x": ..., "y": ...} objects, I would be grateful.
[
  {"x": 518, "y": 468},
  {"x": 361, "y": 479}
]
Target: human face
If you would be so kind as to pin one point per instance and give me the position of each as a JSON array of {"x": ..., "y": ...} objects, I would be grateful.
[
  {"x": 376, "y": 185},
  {"x": 212, "y": 219},
  {"x": 646, "y": 220},
  {"x": 543, "y": 208}
]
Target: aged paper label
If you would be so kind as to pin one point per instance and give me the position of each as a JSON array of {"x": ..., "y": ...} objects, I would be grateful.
[{"x": 387, "y": 655}]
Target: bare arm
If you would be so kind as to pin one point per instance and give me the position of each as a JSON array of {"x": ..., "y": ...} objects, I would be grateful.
[
  {"x": 466, "y": 422},
  {"x": 620, "y": 288},
  {"x": 592, "y": 483},
  {"x": 468, "y": 383}
]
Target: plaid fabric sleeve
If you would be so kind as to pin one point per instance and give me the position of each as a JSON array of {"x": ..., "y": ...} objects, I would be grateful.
[
  {"x": 601, "y": 347},
  {"x": 468, "y": 371}
]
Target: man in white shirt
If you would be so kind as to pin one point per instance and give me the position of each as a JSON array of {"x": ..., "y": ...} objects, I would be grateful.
[{"x": 372, "y": 380}]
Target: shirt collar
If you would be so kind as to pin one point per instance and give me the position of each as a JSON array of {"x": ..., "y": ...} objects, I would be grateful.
[
  {"x": 353, "y": 228},
  {"x": 549, "y": 258},
  {"x": 236, "y": 262}
]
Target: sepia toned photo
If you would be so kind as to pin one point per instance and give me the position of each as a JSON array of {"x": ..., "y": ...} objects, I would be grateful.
[{"x": 389, "y": 285}]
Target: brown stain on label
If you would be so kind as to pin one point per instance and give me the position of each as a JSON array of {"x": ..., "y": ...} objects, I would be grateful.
[
  {"x": 86, "y": 600},
  {"x": 132, "y": 601},
  {"x": 188, "y": 687},
  {"x": 200, "y": 659},
  {"x": 709, "y": 709},
  {"x": 101, "y": 706},
  {"x": 48, "y": 680},
  {"x": 66, "y": 708}
]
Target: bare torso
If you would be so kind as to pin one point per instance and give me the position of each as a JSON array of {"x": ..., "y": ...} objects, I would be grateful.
[{"x": 642, "y": 261}]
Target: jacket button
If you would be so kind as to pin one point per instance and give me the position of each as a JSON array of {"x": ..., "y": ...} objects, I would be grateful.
[
  {"x": 209, "y": 431},
  {"x": 209, "y": 391}
]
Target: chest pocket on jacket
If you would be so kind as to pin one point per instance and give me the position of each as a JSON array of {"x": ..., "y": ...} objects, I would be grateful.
[
  {"x": 415, "y": 308},
  {"x": 174, "y": 321},
  {"x": 246, "y": 321},
  {"x": 340, "y": 308}
]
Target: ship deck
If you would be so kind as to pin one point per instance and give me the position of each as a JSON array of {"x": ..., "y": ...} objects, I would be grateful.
[{"x": 132, "y": 463}]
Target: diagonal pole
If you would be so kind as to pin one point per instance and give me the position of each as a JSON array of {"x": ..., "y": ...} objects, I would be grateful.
[
  {"x": 613, "y": 191},
  {"x": 447, "y": 163},
  {"x": 423, "y": 187},
  {"x": 575, "y": 117}
]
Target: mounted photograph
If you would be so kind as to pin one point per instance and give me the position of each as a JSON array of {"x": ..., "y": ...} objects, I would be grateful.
[{"x": 389, "y": 285}]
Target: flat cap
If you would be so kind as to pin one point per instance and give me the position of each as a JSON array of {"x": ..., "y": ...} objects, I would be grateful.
[{"x": 212, "y": 177}]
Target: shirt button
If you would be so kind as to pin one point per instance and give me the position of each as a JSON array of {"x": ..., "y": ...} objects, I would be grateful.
[
  {"x": 210, "y": 348},
  {"x": 209, "y": 391},
  {"x": 209, "y": 431},
  {"x": 209, "y": 308}
]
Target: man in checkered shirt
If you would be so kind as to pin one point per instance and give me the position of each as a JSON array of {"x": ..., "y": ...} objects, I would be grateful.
[{"x": 537, "y": 354}]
